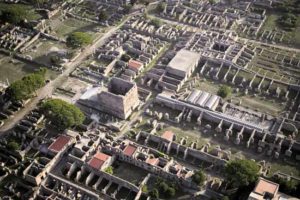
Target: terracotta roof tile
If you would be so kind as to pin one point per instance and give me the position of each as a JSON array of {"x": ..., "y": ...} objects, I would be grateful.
[
  {"x": 59, "y": 143},
  {"x": 168, "y": 135},
  {"x": 98, "y": 160},
  {"x": 152, "y": 161},
  {"x": 129, "y": 150},
  {"x": 96, "y": 163},
  {"x": 135, "y": 64},
  {"x": 101, "y": 156},
  {"x": 264, "y": 186}
]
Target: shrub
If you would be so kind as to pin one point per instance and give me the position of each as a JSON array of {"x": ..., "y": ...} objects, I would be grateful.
[
  {"x": 109, "y": 170},
  {"x": 102, "y": 15},
  {"x": 199, "y": 177},
  {"x": 154, "y": 193},
  {"x": 224, "y": 91},
  {"x": 78, "y": 39},
  {"x": 13, "y": 145}
]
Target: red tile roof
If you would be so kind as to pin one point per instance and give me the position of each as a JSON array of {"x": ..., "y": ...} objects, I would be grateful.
[
  {"x": 101, "y": 156},
  {"x": 152, "y": 161},
  {"x": 96, "y": 163},
  {"x": 136, "y": 65},
  {"x": 264, "y": 186},
  {"x": 98, "y": 160},
  {"x": 59, "y": 143},
  {"x": 168, "y": 135},
  {"x": 129, "y": 150}
]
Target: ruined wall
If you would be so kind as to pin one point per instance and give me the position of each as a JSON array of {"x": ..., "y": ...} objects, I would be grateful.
[
  {"x": 121, "y": 99},
  {"x": 113, "y": 104}
]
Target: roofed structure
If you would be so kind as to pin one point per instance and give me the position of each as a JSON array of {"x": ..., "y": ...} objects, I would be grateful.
[
  {"x": 98, "y": 160},
  {"x": 59, "y": 143},
  {"x": 129, "y": 150},
  {"x": 168, "y": 135},
  {"x": 184, "y": 63}
]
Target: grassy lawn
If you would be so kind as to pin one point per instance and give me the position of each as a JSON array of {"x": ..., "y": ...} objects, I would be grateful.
[
  {"x": 186, "y": 132},
  {"x": 32, "y": 15},
  {"x": 270, "y": 22},
  {"x": 263, "y": 105},
  {"x": 284, "y": 168},
  {"x": 13, "y": 69},
  {"x": 291, "y": 37},
  {"x": 129, "y": 172},
  {"x": 63, "y": 28}
]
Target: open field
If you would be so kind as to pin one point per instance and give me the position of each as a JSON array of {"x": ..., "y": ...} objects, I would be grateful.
[
  {"x": 184, "y": 132},
  {"x": 42, "y": 50},
  {"x": 291, "y": 38},
  {"x": 259, "y": 103},
  {"x": 12, "y": 69},
  {"x": 129, "y": 172},
  {"x": 62, "y": 28}
]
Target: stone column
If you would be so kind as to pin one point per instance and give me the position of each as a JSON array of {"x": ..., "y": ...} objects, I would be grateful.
[
  {"x": 239, "y": 136},
  {"x": 219, "y": 127},
  {"x": 251, "y": 139}
]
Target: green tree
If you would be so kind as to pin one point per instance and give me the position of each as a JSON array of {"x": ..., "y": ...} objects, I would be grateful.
[
  {"x": 160, "y": 7},
  {"x": 145, "y": 189},
  {"x": 125, "y": 57},
  {"x": 199, "y": 177},
  {"x": 156, "y": 22},
  {"x": 164, "y": 189},
  {"x": 55, "y": 60},
  {"x": 224, "y": 91},
  {"x": 23, "y": 89},
  {"x": 225, "y": 198},
  {"x": 241, "y": 172},
  {"x": 102, "y": 15},
  {"x": 288, "y": 186},
  {"x": 170, "y": 192},
  {"x": 109, "y": 170},
  {"x": 154, "y": 193},
  {"x": 127, "y": 8},
  {"x": 13, "y": 13},
  {"x": 13, "y": 145},
  {"x": 62, "y": 114},
  {"x": 79, "y": 39},
  {"x": 288, "y": 21},
  {"x": 39, "y": 2}
]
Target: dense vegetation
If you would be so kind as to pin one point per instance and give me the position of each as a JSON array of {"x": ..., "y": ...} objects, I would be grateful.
[
  {"x": 79, "y": 39},
  {"x": 288, "y": 6},
  {"x": 62, "y": 114},
  {"x": 102, "y": 15},
  {"x": 290, "y": 10},
  {"x": 163, "y": 190},
  {"x": 109, "y": 170},
  {"x": 14, "y": 13},
  {"x": 224, "y": 91},
  {"x": 288, "y": 21},
  {"x": 199, "y": 177},
  {"x": 241, "y": 173},
  {"x": 156, "y": 22},
  {"x": 24, "y": 88},
  {"x": 291, "y": 186},
  {"x": 13, "y": 146},
  {"x": 160, "y": 7}
]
